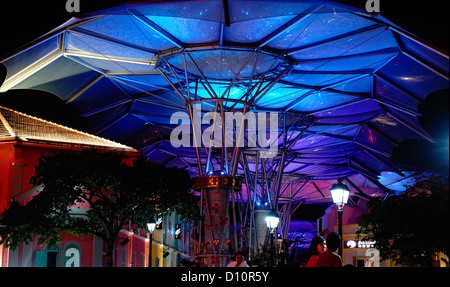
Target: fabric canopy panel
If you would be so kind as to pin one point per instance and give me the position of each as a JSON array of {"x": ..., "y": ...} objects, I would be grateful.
[{"x": 345, "y": 84}]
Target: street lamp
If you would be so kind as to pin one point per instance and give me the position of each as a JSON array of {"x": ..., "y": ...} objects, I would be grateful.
[
  {"x": 151, "y": 227},
  {"x": 340, "y": 193},
  {"x": 272, "y": 220}
]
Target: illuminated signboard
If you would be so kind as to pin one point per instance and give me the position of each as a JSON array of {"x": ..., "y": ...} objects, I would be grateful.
[
  {"x": 359, "y": 244},
  {"x": 217, "y": 181}
]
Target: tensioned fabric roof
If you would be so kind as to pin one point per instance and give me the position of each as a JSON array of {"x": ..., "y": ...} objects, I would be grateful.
[{"x": 345, "y": 83}]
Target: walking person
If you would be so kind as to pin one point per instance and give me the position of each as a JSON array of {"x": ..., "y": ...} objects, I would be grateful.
[
  {"x": 316, "y": 248},
  {"x": 330, "y": 258},
  {"x": 239, "y": 261}
]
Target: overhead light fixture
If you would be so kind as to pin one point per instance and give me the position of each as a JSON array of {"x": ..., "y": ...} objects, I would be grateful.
[
  {"x": 272, "y": 220},
  {"x": 340, "y": 193},
  {"x": 151, "y": 226}
]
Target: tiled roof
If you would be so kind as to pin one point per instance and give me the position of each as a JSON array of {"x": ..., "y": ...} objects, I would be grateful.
[{"x": 19, "y": 126}]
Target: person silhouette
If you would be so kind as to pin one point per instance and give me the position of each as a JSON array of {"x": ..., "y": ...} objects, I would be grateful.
[
  {"x": 317, "y": 247},
  {"x": 239, "y": 261},
  {"x": 329, "y": 258}
]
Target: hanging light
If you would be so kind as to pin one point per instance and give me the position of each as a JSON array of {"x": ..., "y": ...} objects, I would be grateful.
[
  {"x": 272, "y": 220},
  {"x": 340, "y": 193}
]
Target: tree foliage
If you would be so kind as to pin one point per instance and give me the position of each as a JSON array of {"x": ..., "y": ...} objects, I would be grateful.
[
  {"x": 118, "y": 190},
  {"x": 413, "y": 226}
]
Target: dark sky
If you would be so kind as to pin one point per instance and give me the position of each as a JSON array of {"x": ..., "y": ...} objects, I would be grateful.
[{"x": 23, "y": 21}]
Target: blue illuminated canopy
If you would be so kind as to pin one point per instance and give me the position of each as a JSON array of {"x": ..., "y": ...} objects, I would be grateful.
[{"x": 345, "y": 83}]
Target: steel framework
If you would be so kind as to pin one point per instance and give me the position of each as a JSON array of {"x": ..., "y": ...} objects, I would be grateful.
[{"x": 345, "y": 86}]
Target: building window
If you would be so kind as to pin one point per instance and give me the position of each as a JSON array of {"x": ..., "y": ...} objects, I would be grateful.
[
  {"x": 133, "y": 258},
  {"x": 142, "y": 259},
  {"x": 123, "y": 257}
]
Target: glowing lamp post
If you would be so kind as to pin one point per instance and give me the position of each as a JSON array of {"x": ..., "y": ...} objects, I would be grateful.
[
  {"x": 151, "y": 227},
  {"x": 340, "y": 193},
  {"x": 272, "y": 220}
]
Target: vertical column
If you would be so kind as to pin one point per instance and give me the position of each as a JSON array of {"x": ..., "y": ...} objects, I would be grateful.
[{"x": 215, "y": 245}]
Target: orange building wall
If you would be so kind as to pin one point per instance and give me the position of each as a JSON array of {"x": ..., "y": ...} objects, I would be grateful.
[
  {"x": 6, "y": 155},
  {"x": 19, "y": 154}
]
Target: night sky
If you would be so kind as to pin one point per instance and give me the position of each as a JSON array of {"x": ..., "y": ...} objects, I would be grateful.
[{"x": 21, "y": 23}]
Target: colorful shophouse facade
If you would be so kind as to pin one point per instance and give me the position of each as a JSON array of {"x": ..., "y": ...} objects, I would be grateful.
[
  {"x": 356, "y": 252},
  {"x": 23, "y": 140}
]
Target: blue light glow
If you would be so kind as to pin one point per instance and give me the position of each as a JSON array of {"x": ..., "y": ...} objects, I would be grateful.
[{"x": 357, "y": 78}]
